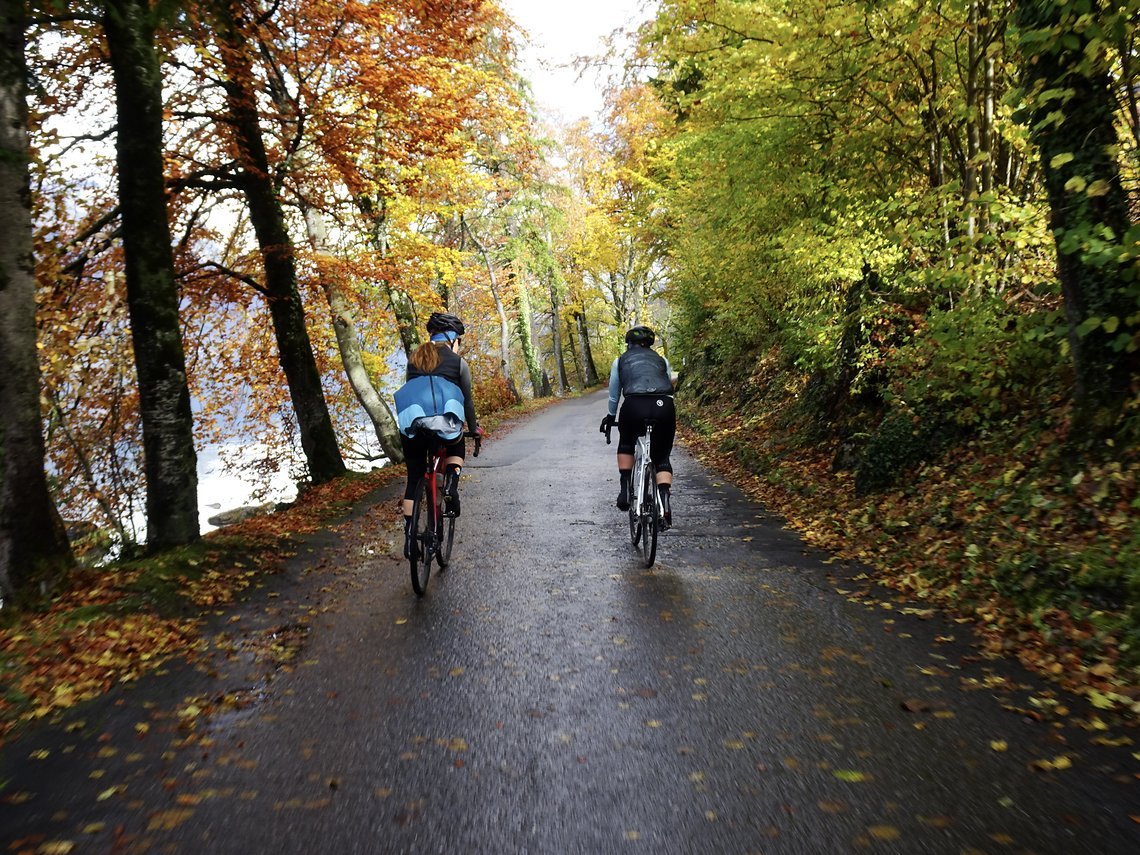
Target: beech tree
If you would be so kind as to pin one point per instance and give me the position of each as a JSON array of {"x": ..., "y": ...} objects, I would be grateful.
[
  {"x": 152, "y": 292},
  {"x": 366, "y": 100},
  {"x": 277, "y": 249},
  {"x": 33, "y": 545}
]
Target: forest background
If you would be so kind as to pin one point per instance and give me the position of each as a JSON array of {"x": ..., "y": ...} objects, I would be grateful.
[{"x": 891, "y": 244}]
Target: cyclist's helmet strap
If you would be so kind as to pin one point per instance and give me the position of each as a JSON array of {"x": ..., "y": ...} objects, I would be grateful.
[
  {"x": 444, "y": 326},
  {"x": 640, "y": 335}
]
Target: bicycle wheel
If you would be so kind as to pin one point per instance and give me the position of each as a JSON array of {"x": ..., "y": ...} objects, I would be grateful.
[
  {"x": 647, "y": 509},
  {"x": 423, "y": 542},
  {"x": 445, "y": 536}
]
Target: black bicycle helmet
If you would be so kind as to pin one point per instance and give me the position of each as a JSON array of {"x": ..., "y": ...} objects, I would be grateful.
[
  {"x": 444, "y": 322},
  {"x": 640, "y": 335}
]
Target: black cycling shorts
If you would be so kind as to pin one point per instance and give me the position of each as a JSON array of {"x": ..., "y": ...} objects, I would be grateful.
[
  {"x": 416, "y": 453},
  {"x": 635, "y": 409}
]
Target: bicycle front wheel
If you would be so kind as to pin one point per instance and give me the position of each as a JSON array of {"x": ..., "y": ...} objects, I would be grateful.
[
  {"x": 647, "y": 511},
  {"x": 634, "y": 525},
  {"x": 423, "y": 538}
]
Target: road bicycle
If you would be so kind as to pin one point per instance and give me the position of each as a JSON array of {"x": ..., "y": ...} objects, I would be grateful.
[
  {"x": 646, "y": 514},
  {"x": 433, "y": 527}
]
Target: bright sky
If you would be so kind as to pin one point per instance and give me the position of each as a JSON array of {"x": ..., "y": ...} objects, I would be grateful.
[{"x": 562, "y": 30}]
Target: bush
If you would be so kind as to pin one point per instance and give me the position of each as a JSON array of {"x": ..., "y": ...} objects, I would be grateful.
[
  {"x": 965, "y": 371},
  {"x": 493, "y": 395},
  {"x": 901, "y": 442},
  {"x": 976, "y": 363}
]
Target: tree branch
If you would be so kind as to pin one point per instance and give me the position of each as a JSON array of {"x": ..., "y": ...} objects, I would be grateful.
[{"x": 232, "y": 274}]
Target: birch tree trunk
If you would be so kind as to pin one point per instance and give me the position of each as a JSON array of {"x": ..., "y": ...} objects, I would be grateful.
[
  {"x": 348, "y": 343},
  {"x": 504, "y": 324},
  {"x": 398, "y": 302},
  {"x": 973, "y": 59}
]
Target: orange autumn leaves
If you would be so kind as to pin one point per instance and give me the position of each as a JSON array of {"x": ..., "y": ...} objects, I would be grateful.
[
  {"x": 370, "y": 114},
  {"x": 67, "y": 659}
]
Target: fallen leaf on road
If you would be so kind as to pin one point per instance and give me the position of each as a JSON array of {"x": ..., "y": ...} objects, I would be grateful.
[
  {"x": 936, "y": 821},
  {"x": 1056, "y": 764},
  {"x": 165, "y": 820}
]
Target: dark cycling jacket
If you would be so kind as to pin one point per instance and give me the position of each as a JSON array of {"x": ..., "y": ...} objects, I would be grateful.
[
  {"x": 642, "y": 371},
  {"x": 440, "y": 401}
]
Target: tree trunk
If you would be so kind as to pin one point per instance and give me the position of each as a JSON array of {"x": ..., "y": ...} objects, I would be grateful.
[
  {"x": 578, "y": 371},
  {"x": 973, "y": 60},
  {"x": 526, "y": 338},
  {"x": 504, "y": 329},
  {"x": 987, "y": 118},
  {"x": 556, "y": 335},
  {"x": 171, "y": 464},
  {"x": 504, "y": 324},
  {"x": 348, "y": 341},
  {"x": 33, "y": 546},
  {"x": 590, "y": 372},
  {"x": 1076, "y": 138},
  {"x": 402, "y": 309},
  {"x": 318, "y": 440}
]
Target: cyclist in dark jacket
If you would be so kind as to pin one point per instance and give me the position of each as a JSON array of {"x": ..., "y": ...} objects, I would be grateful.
[
  {"x": 433, "y": 405},
  {"x": 645, "y": 379}
]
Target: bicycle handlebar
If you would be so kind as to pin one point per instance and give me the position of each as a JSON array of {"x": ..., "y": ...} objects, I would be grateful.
[{"x": 478, "y": 437}]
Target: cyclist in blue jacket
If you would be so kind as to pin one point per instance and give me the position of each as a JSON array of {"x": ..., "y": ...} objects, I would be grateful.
[
  {"x": 643, "y": 376},
  {"x": 433, "y": 405}
]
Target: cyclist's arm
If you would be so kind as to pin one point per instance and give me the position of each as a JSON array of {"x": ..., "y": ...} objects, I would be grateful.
[
  {"x": 669, "y": 371},
  {"x": 468, "y": 398},
  {"x": 615, "y": 388}
]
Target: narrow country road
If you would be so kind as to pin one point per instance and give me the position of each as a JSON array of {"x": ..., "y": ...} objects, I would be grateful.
[{"x": 549, "y": 695}]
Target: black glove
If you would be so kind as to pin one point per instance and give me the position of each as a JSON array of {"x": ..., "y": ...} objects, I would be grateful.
[{"x": 607, "y": 420}]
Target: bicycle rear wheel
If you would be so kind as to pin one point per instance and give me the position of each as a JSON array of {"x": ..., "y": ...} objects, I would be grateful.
[
  {"x": 423, "y": 538},
  {"x": 647, "y": 510}
]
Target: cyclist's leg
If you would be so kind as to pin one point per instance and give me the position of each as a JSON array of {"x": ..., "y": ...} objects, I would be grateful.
[
  {"x": 415, "y": 454},
  {"x": 664, "y": 432},
  {"x": 631, "y": 425},
  {"x": 456, "y": 452}
]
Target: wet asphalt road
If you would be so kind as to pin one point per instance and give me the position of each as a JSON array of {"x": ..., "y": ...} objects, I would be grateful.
[{"x": 549, "y": 695}]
